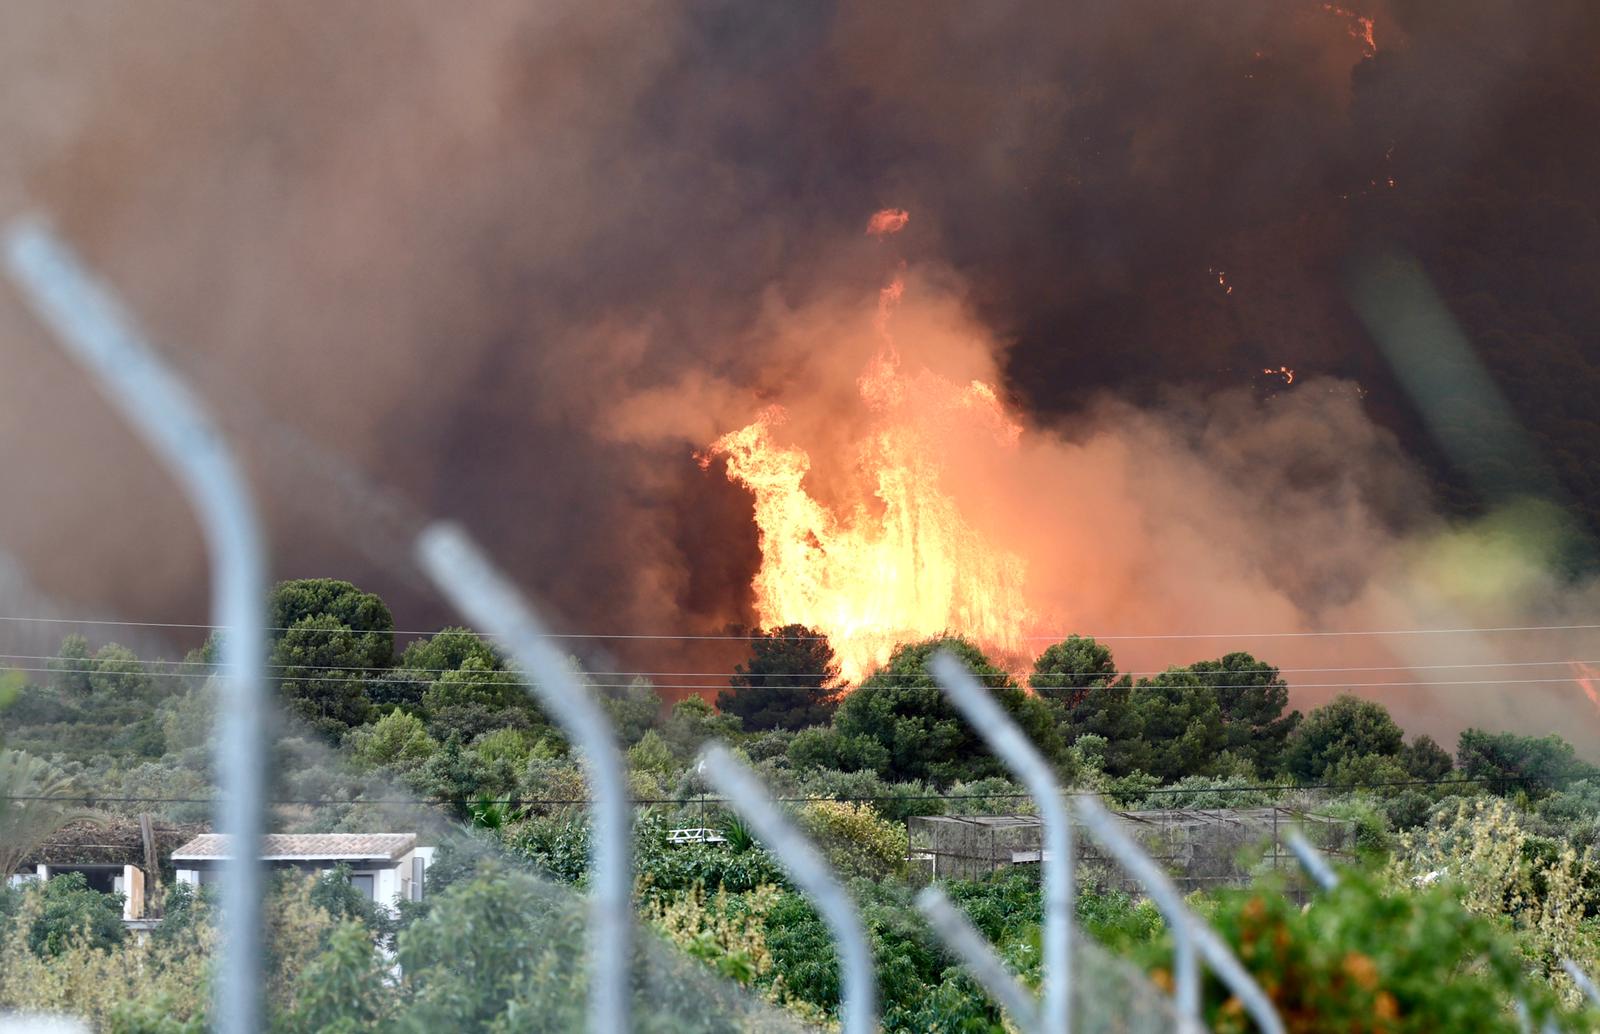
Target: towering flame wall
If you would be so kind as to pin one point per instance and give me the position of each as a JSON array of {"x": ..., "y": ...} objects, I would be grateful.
[{"x": 897, "y": 559}]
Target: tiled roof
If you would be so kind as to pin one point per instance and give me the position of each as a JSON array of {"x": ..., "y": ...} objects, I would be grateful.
[{"x": 280, "y": 847}]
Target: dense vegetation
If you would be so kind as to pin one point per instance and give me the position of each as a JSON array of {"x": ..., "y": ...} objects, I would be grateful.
[{"x": 1475, "y": 880}]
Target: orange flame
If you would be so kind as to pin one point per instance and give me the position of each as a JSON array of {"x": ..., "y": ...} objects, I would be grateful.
[
  {"x": 1282, "y": 371},
  {"x": 899, "y": 560},
  {"x": 1587, "y": 677},
  {"x": 887, "y": 221},
  {"x": 1360, "y": 28}
]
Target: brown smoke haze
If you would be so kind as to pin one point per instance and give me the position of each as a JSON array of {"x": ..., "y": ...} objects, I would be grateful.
[{"x": 515, "y": 264}]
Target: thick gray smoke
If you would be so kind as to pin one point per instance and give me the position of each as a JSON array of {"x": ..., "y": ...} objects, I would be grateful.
[{"x": 466, "y": 262}]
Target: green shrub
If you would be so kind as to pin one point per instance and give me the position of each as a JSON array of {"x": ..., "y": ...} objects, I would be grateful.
[
  {"x": 1366, "y": 957},
  {"x": 826, "y": 747},
  {"x": 854, "y": 839},
  {"x": 69, "y": 911}
]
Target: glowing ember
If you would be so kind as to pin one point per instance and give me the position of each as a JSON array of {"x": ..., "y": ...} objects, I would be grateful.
[
  {"x": 887, "y": 221},
  {"x": 1360, "y": 28},
  {"x": 897, "y": 559},
  {"x": 1282, "y": 371},
  {"x": 1222, "y": 280}
]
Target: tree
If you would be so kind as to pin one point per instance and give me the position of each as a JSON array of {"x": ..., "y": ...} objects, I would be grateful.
[
  {"x": 492, "y": 952},
  {"x": 333, "y": 892},
  {"x": 1180, "y": 725},
  {"x": 69, "y": 910},
  {"x": 457, "y": 775},
  {"x": 1508, "y": 762},
  {"x": 366, "y": 615},
  {"x": 460, "y": 684},
  {"x": 448, "y": 650},
  {"x": 903, "y": 709},
  {"x": 329, "y": 639},
  {"x": 476, "y": 681},
  {"x": 72, "y": 666},
  {"x": 1064, "y": 672},
  {"x": 788, "y": 682},
  {"x": 311, "y": 658},
  {"x": 28, "y": 817},
  {"x": 1106, "y": 713},
  {"x": 693, "y": 723},
  {"x": 1252, "y": 696},
  {"x": 1425, "y": 759},
  {"x": 825, "y": 747},
  {"x": 118, "y": 672},
  {"x": 1347, "y": 727},
  {"x": 633, "y": 709},
  {"x": 341, "y": 990},
  {"x": 397, "y": 740}
]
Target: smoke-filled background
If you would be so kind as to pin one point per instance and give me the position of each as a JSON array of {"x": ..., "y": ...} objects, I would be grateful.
[{"x": 516, "y": 264}]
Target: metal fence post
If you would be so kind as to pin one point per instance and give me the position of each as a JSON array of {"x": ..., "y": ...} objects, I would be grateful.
[
  {"x": 974, "y": 953},
  {"x": 1311, "y": 860},
  {"x": 1579, "y": 977},
  {"x": 1185, "y": 964},
  {"x": 491, "y": 603},
  {"x": 1103, "y": 827},
  {"x": 858, "y": 982},
  {"x": 102, "y": 337},
  {"x": 1019, "y": 754}
]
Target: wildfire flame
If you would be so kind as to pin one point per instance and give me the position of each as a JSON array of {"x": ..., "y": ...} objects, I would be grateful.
[
  {"x": 1587, "y": 677},
  {"x": 1222, "y": 280},
  {"x": 1282, "y": 371},
  {"x": 887, "y": 221},
  {"x": 899, "y": 560},
  {"x": 1360, "y": 28}
]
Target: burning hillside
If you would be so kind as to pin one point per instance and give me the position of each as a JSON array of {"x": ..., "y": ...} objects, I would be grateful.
[{"x": 894, "y": 558}]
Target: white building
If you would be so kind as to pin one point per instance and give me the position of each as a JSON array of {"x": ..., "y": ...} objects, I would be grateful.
[{"x": 387, "y": 867}]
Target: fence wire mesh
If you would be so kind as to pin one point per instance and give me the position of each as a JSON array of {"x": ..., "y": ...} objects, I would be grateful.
[{"x": 1200, "y": 848}]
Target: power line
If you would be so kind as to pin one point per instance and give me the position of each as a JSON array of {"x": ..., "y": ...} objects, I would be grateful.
[
  {"x": 58, "y": 664},
  {"x": 716, "y": 685},
  {"x": 87, "y": 799},
  {"x": 687, "y": 637}
]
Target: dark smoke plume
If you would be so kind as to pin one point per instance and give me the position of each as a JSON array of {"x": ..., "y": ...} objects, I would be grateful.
[{"x": 445, "y": 262}]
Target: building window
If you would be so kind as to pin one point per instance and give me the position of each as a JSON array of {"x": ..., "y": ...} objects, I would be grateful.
[{"x": 366, "y": 883}]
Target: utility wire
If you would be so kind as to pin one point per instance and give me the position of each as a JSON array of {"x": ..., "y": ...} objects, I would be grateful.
[
  {"x": 89, "y": 666},
  {"x": 686, "y": 637},
  {"x": 87, "y": 799},
  {"x": 1066, "y": 685}
]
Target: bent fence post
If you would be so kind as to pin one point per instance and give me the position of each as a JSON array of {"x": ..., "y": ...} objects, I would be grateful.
[
  {"x": 1019, "y": 754},
  {"x": 858, "y": 985},
  {"x": 974, "y": 953},
  {"x": 103, "y": 338},
  {"x": 1579, "y": 977},
  {"x": 1311, "y": 860},
  {"x": 489, "y": 601},
  {"x": 1185, "y": 963},
  {"x": 1103, "y": 827}
]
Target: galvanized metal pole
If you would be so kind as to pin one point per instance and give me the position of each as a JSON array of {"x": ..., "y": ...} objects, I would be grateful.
[
  {"x": 1019, "y": 754},
  {"x": 1579, "y": 977},
  {"x": 1142, "y": 867},
  {"x": 975, "y": 953},
  {"x": 858, "y": 983},
  {"x": 490, "y": 602},
  {"x": 1311, "y": 860},
  {"x": 1185, "y": 963},
  {"x": 104, "y": 339}
]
